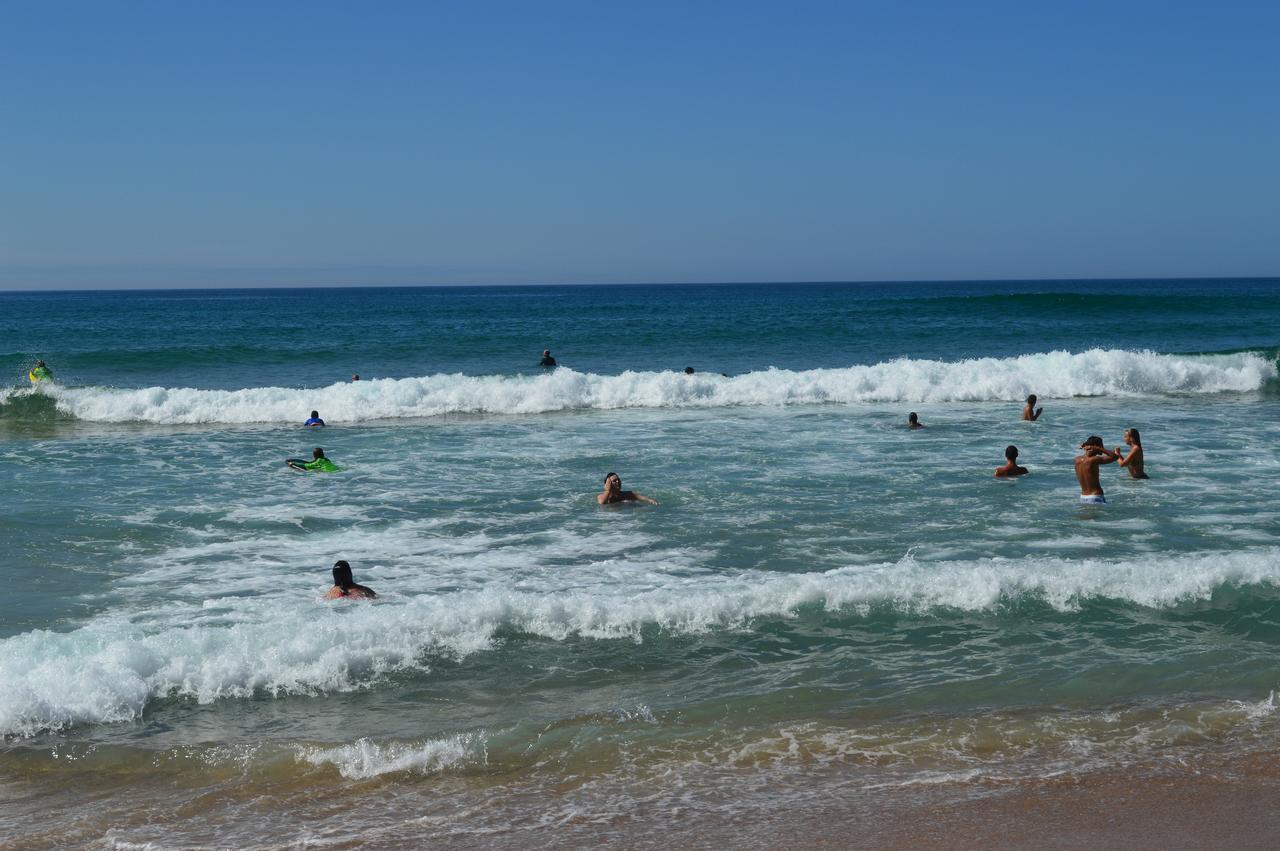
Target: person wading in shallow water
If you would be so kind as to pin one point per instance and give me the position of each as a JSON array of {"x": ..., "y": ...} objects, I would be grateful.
[
  {"x": 1095, "y": 455},
  {"x": 613, "y": 492},
  {"x": 1011, "y": 467},
  {"x": 1133, "y": 461},
  {"x": 1031, "y": 413},
  {"x": 345, "y": 586}
]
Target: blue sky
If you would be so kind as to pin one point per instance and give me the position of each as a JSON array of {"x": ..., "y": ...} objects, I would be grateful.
[{"x": 241, "y": 144}]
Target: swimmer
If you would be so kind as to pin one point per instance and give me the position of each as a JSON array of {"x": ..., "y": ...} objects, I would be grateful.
[
  {"x": 1031, "y": 413},
  {"x": 317, "y": 464},
  {"x": 315, "y": 420},
  {"x": 355, "y": 377},
  {"x": 40, "y": 372},
  {"x": 613, "y": 493},
  {"x": 913, "y": 420},
  {"x": 688, "y": 370},
  {"x": 1133, "y": 461},
  {"x": 345, "y": 586},
  {"x": 1011, "y": 468},
  {"x": 1095, "y": 455},
  {"x": 547, "y": 361}
]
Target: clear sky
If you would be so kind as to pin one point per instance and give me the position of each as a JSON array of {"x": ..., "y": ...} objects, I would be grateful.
[{"x": 279, "y": 143}]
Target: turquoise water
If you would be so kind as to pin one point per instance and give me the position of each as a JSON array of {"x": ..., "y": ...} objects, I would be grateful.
[{"x": 822, "y": 599}]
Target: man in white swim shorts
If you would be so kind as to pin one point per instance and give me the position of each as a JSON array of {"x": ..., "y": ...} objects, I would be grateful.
[{"x": 1095, "y": 455}]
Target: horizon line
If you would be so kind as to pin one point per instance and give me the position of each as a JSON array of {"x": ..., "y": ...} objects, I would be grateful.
[{"x": 528, "y": 285}]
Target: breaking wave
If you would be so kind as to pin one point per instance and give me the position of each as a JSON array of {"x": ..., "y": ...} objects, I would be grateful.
[
  {"x": 111, "y": 668},
  {"x": 1060, "y": 374}
]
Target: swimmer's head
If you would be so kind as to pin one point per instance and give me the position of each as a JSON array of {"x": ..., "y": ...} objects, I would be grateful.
[
  {"x": 1031, "y": 400},
  {"x": 355, "y": 377},
  {"x": 1092, "y": 442},
  {"x": 1011, "y": 452},
  {"x": 39, "y": 363},
  {"x": 317, "y": 452},
  {"x": 315, "y": 415},
  {"x": 1131, "y": 434},
  {"x": 688, "y": 370},
  {"x": 546, "y": 353},
  {"x": 913, "y": 418},
  {"x": 342, "y": 576},
  {"x": 612, "y": 480}
]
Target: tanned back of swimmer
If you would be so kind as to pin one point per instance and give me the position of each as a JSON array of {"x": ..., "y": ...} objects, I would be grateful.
[{"x": 1087, "y": 464}]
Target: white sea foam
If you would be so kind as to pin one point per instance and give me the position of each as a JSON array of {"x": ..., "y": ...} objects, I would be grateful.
[
  {"x": 1058, "y": 374},
  {"x": 109, "y": 669}
]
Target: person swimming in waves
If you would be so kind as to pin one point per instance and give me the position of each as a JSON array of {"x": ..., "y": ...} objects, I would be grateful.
[
  {"x": 1011, "y": 468},
  {"x": 688, "y": 370},
  {"x": 355, "y": 377},
  {"x": 40, "y": 372},
  {"x": 913, "y": 420},
  {"x": 314, "y": 420},
  {"x": 317, "y": 464},
  {"x": 1087, "y": 464},
  {"x": 547, "y": 361},
  {"x": 613, "y": 493},
  {"x": 1133, "y": 461},
  {"x": 1031, "y": 413},
  {"x": 345, "y": 586}
]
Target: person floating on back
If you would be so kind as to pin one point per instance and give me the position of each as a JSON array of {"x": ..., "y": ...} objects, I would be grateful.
[
  {"x": 345, "y": 586},
  {"x": 1095, "y": 455},
  {"x": 1031, "y": 413},
  {"x": 39, "y": 373},
  {"x": 547, "y": 361},
  {"x": 1011, "y": 467},
  {"x": 613, "y": 492},
  {"x": 1133, "y": 461},
  {"x": 317, "y": 464},
  {"x": 314, "y": 420},
  {"x": 913, "y": 420}
]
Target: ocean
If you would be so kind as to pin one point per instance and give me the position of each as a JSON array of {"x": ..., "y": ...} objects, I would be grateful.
[{"x": 828, "y": 617}]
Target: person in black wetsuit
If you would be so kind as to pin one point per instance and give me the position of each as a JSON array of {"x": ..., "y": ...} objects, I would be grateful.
[{"x": 547, "y": 361}]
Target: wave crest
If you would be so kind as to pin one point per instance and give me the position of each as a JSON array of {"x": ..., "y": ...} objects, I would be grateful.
[
  {"x": 1059, "y": 374},
  {"x": 109, "y": 669}
]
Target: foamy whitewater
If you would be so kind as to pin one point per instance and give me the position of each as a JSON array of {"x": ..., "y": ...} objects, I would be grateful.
[
  {"x": 824, "y": 606},
  {"x": 1055, "y": 375}
]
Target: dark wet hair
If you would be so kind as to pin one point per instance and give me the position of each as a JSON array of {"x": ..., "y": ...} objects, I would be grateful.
[
  {"x": 1031, "y": 399},
  {"x": 1092, "y": 440},
  {"x": 1011, "y": 452},
  {"x": 39, "y": 363},
  {"x": 342, "y": 577},
  {"x": 608, "y": 476},
  {"x": 1133, "y": 432},
  {"x": 317, "y": 452},
  {"x": 315, "y": 414},
  {"x": 688, "y": 370},
  {"x": 912, "y": 417}
]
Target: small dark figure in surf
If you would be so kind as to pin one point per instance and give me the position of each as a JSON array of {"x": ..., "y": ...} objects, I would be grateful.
[
  {"x": 345, "y": 586},
  {"x": 1095, "y": 455},
  {"x": 1133, "y": 461},
  {"x": 547, "y": 361},
  {"x": 688, "y": 370},
  {"x": 1011, "y": 467},
  {"x": 40, "y": 372},
  {"x": 355, "y": 377},
  {"x": 317, "y": 464},
  {"x": 314, "y": 420},
  {"x": 614, "y": 493},
  {"x": 1031, "y": 413},
  {"x": 913, "y": 420}
]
